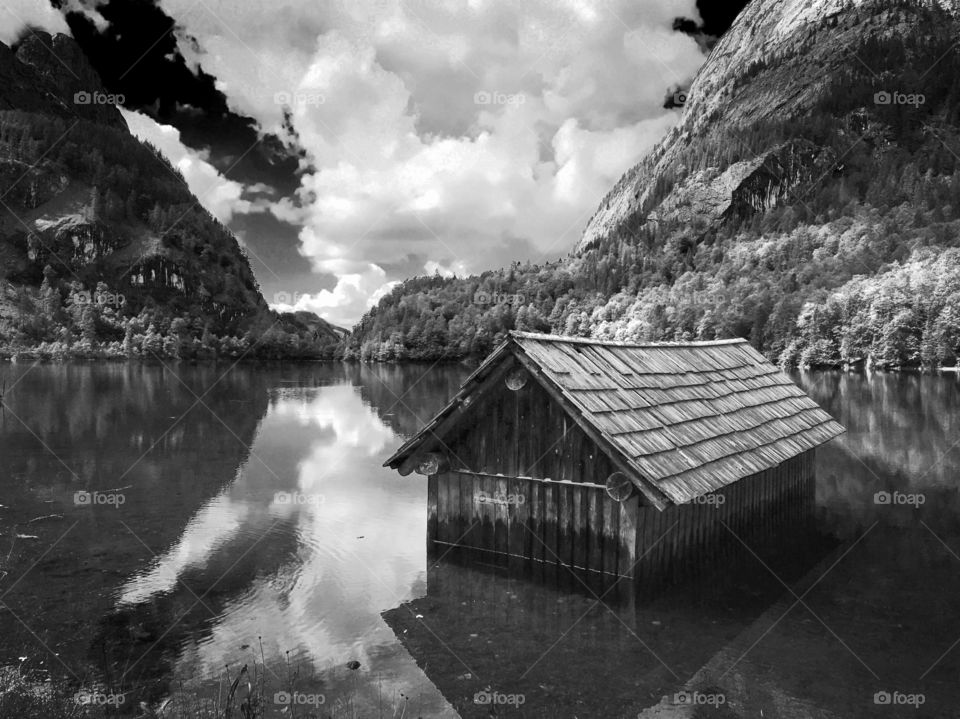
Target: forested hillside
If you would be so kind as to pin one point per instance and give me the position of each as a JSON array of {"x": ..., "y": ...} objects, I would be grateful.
[
  {"x": 807, "y": 201},
  {"x": 103, "y": 249}
]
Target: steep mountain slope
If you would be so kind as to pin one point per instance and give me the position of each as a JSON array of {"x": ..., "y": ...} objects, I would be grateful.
[
  {"x": 784, "y": 62},
  {"x": 103, "y": 249},
  {"x": 47, "y": 74},
  {"x": 808, "y": 199}
]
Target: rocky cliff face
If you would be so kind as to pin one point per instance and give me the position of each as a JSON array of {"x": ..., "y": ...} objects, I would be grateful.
[{"x": 777, "y": 65}]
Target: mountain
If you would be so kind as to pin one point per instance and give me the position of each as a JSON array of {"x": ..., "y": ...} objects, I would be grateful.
[
  {"x": 786, "y": 62},
  {"x": 322, "y": 330},
  {"x": 50, "y": 76},
  {"x": 104, "y": 251},
  {"x": 808, "y": 199}
]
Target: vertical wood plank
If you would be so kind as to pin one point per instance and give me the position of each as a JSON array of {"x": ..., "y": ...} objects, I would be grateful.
[
  {"x": 716, "y": 531},
  {"x": 565, "y": 517},
  {"x": 642, "y": 572},
  {"x": 663, "y": 547},
  {"x": 767, "y": 511},
  {"x": 667, "y": 517},
  {"x": 443, "y": 509},
  {"x": 610, "y": 533},
  {"x": 493, "y": 456},
  {"x": 509, "y": 432},
  {"x": 700, "y": 519},
  {"x": 580, "y": 461},
  {"x": 550, "y": 503},
  {"x": 523, "y": 431},
  {"x": 532, "y": 546},
  {"x": 595, "y": 528},
  {"x": 470, "y": 491},
  {"x": 579, "y": 526},
  {"x": 683, "y": 557},
  {"x": 454, "y": 518},
  {"x": 502, "y": 526},
  {"x": 517, "y": 511},
  {"x": 627, "y": 545},
  {"x": 467, "y": 525},
  {"x": 481, "y": 449},
  {"x": 487, "y": 487},
  {"x": 563, "y": 463},
  {"x": 655, "y": 546},
  {"x": 431, "y": 513},
  {"x": 546, "y": 450}
]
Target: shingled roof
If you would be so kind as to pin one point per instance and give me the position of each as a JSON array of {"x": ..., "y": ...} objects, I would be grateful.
[{"x": 686, "y": 418}]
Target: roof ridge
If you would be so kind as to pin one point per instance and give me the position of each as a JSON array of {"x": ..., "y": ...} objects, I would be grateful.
[{"x": 615, "y": 343}]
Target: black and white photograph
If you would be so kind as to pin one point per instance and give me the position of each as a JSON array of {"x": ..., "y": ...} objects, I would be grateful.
[{"x": 459, "y": 359}]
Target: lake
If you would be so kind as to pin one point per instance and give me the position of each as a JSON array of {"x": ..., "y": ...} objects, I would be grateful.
[{"x": 165, "y": 526}]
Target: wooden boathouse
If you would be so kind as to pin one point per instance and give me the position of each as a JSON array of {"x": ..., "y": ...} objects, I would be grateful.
[{"x": 624, "y": 459}]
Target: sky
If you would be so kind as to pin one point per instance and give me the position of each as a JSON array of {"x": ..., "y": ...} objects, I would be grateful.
[{"x": 350, "y": 144}]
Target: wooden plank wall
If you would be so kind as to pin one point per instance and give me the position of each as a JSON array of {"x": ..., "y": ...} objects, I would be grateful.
[
  {"x": 525, "y": 433},
  {"x": 562, "y": 523},
  {"x": 578, "y": 525},
  {"x": 758, "y": 511}
]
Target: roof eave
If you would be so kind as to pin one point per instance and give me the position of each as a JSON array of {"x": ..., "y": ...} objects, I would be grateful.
[{"x": 466, "y": 387}]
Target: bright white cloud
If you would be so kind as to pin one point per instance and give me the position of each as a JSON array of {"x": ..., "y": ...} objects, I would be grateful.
[
  {"x": 360, "y": 285},
  {"x": 219, "y": 196},
  {"x": 455, "y": 134},
  {"x": 16, "y": 15},
  {"x": 286, "y": 609},
  {"x": 456, "y": 269}
]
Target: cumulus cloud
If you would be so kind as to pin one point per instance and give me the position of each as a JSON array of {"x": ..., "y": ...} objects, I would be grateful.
[
  {"x": 456, "y": 269},
  {"x": 218, "y": 195},
  {"x": 360, "y": 285},
  {"x": 461, "y": 135}
]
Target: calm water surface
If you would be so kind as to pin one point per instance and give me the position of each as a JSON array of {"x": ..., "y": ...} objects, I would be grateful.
[{"x": 166, "y": 525}]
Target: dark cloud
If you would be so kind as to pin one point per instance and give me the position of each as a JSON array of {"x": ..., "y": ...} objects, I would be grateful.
[
  {"x": 137, "y": 55},
  {"x": 717, "y": 16}
]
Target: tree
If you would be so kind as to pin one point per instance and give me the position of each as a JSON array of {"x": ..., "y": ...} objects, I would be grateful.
[
  {"x": 88, "y": 324},
  {"x": 129, "y": 348},
  {"x": 152, "y": 342}
]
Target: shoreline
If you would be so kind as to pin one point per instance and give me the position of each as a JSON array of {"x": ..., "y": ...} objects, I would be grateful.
[{"x": 31, "y": 356}]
